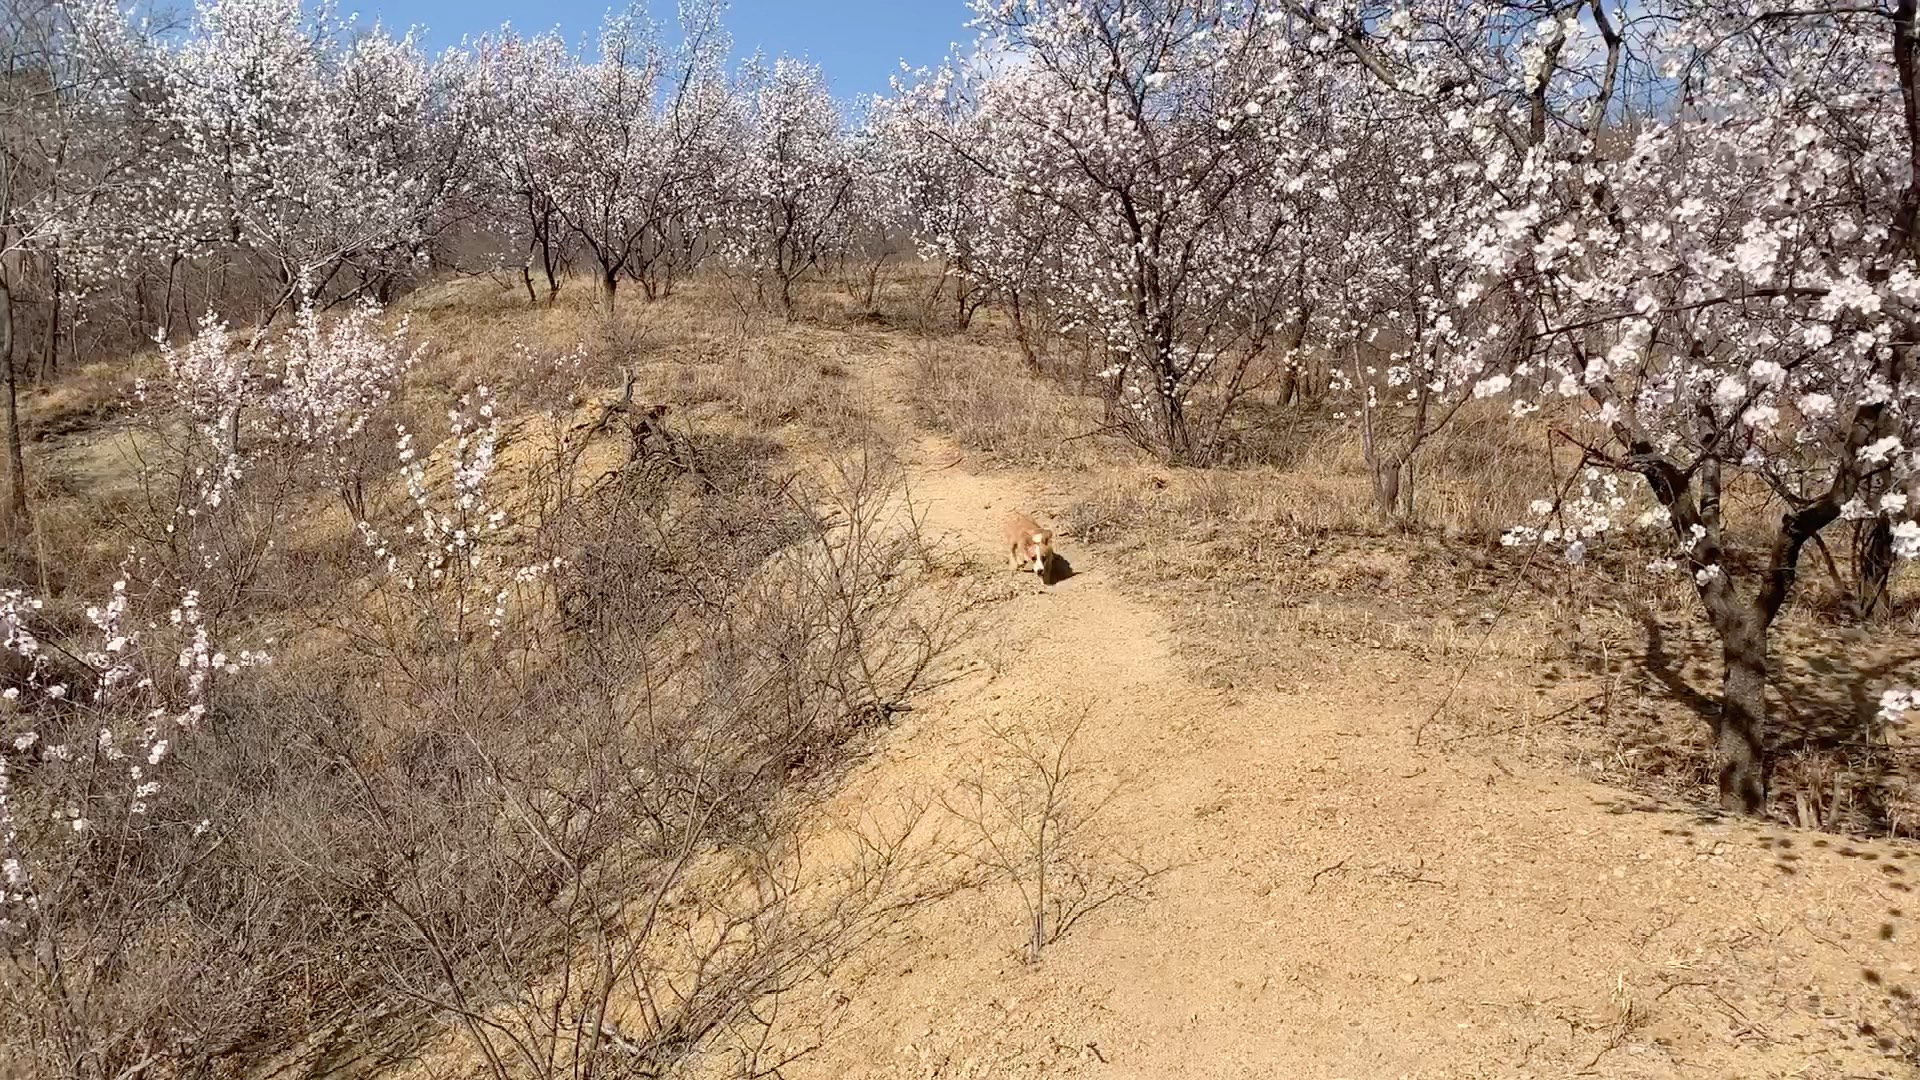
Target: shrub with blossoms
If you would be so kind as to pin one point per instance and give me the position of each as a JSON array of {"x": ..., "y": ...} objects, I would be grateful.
[
  {"x": 326, "y": 380},
  {"x": 308, "y": 395},
  {"x": 86, "y": 743},
  {"x": 455, "y": 556}
]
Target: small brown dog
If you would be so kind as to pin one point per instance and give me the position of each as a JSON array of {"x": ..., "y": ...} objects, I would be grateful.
[{"x": 1029, "y": 546}]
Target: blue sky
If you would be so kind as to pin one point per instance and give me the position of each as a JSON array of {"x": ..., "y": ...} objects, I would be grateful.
[{"x": 859, "y": 43}]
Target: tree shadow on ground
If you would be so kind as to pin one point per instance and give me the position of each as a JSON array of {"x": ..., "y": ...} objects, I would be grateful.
[{"x": 1836, "y": 764}]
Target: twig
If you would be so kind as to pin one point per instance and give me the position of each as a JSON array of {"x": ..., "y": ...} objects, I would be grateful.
[
  {"x": 1104, "y": 429},
  {"x": 1323, "y": 871},
  {"x": 1524, "y": 724},
  {"x": 1671, "y": 987}
]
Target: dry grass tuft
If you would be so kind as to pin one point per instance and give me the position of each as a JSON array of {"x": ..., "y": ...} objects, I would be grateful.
[
  {"x": 785, "y": 376},
  {"x": 81, "y": 401},
  {"x": 985, "y": 397},
  {"x": 691, "y": 350}
]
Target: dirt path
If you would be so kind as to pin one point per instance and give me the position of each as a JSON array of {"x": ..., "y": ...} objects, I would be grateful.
[{"x": 1328, "y": 900}]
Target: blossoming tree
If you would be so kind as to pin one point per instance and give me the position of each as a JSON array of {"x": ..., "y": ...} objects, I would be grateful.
[
  {"x": 1151, "y": 136},
  {"x": 1728, "y": 284},
  {"x": 791, "y": 185}
]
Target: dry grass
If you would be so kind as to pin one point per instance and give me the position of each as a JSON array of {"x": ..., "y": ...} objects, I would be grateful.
[
  {"x": 1648, "y": 684},
  {"x": 1245, "y": 558},
  {"x": 1244, "y": 506},
  {"x": 1474, "y": 478},
  {"x": 694, "y": 351},
  {"x": 984, "y": 396},
  {"x": 789, "y": 376},
  {"x": 78, "y": 401}
]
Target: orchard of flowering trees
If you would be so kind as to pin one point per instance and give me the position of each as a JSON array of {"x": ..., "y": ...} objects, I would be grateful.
[
  {"x": 263, "y": 154},
  {"x": 1685, "y": 231},
  {"x": 261, "y": 158},
  {"x": 1679, "y": 234}
]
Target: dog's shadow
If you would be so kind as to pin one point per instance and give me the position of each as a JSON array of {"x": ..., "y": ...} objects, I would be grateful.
[{"x": 1059, "y": 570}]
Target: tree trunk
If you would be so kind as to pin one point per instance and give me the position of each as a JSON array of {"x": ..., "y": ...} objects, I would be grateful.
[
  {"x": 166, "y": 310},
  {"x": 1175, "y": 433},
  {"x": 931, "y": 303},
  {"x": 871, "y": 288},
  {"x": 1873, "y": 568},
  {"x": 50, "y": 349},
  {"x": 609, "y": 284},
  {"x": 1021, "y": 332},
  {"x": 1738, "y": 751},
  {"x": 1403, "y": 464},
  {"x": 1386, "y": 488},
  {"x": 1291, "y": 376},
  {"x": 1289, "y": 385},
  {"x": 549, "y": 265},
  {"x": 16, "y": 458},
  {"x": 1383, "y": 471}
]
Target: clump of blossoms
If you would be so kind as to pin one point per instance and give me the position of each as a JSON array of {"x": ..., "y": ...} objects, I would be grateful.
[
  {"x": 1896, "y": 703},
  {"x": 84, "y": 747},
  {"x": 1578, "y": 522},
  {"x": 310, "y": 394},
  {"x": 456, "y": 542},
  {"x": 212, "y": 383},
  {"x": 327, "y": 380}
]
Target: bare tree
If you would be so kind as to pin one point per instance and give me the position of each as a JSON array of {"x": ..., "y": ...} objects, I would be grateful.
[{"x": 1031, "y": 816}]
